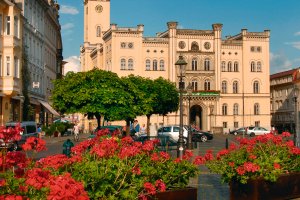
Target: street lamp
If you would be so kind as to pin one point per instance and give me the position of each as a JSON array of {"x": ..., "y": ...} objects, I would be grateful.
[
  {"x": 189, "y": 90},
  {"x": 296, "y": 133},
  {"x": 181, "y": 63}
]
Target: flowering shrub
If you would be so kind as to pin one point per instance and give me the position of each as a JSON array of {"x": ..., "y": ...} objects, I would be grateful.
[
  {"x": 266, "y": 156},
  {"x": 101, "y": 168}
]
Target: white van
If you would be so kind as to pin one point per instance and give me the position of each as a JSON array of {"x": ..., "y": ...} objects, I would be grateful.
[{"x": 29, "y": 130}]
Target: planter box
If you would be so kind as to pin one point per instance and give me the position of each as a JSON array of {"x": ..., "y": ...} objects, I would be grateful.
[
  {"x": 180, "y": 194},
  {"x": 286, "y": 187}
]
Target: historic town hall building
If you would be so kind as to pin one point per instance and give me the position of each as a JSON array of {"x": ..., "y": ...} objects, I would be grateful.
[{"x": 229, "y": 76}]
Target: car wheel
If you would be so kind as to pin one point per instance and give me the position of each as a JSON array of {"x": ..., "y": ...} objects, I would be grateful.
[
  {"x": 203, "y": 138},
  {"x": 252, "y": 134},
  {"x": 14, "y": 147},
  {"x": 235, "y": 133}
]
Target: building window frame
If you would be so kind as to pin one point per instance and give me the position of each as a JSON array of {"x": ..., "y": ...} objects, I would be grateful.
[
  {"x": 235, "y": 109},
  {"x": 195, "y": 85},
  {"x": 258, "y": 66},
  {"x": 154, "y": 63},
  {"x": 123, "y": 64},
  {"x": 252, "y": 66},
  {"x": 224, "y": 109},
  {"x": 7, "y": 65},
  {"x": 256, "y": 109},
  {"x": 206, "y": 64},
  {"x": 148, "y": 65},
  {"x": 223, "y": 66},
  {"x": 162, "y": 65},
  {"x": 235, "y": 88},
  {"x": 207, "y": 85},
  {"x": 98, "y": 31},
  {"x": 236, "y": 66},
  {"x": 256, "y": 87},
  {"x": 194, "y": 64},
  {"x": 224, "y": 87},
  {"x": 7, "y": 27},
  {"x": 130, "y": 64}
]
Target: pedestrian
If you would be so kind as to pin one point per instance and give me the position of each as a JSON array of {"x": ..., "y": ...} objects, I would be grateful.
[
  {"x": 143, "y": 129},
  {"x": 76, "y": 132},
  {"x": 136, "y": 126},
  {"x": 39, "y": 131}
]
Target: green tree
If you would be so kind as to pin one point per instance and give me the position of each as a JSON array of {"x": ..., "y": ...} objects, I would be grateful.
[
  {"x": 166, "y": 98},
  {"x": 141, "y": 98},
  {"x": 94, "y": 93}
]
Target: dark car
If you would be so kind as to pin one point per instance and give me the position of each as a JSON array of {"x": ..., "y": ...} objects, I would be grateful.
[{"x": 200, "y": 135}]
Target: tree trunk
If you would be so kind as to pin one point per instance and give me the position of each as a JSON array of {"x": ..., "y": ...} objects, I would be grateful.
[
  {"x": 98, "y": 117},
  {"x": 128, "y": 127},
  {"x": 148, "y": 125}
]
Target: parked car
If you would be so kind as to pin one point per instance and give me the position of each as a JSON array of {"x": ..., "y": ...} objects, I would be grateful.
[
  {"x": 29, "y": 130},
  {"x": 257, "y": 131},
  {"x": 200, "y": 135},
  {"x": 172, "y": 131},
  {"x": 239, "y": 131}
]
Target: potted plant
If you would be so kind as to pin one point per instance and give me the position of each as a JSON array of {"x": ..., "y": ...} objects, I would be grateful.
[
  {"x": 105, "y": 167},
  {"x": 264, "y": 167}
]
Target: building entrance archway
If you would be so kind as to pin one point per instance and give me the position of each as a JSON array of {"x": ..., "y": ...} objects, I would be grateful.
[{"x": 196, "y": 116}]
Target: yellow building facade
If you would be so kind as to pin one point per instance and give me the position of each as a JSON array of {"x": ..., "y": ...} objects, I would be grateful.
[
  {"x": 10, "y": 61},
  {"x": 229, "y": 77}
]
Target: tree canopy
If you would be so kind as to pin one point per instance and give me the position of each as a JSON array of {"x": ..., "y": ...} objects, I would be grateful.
[{"x": 102, "y": 93}]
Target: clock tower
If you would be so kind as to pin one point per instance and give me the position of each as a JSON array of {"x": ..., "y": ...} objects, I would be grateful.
[{"x": 96, "y": 20}]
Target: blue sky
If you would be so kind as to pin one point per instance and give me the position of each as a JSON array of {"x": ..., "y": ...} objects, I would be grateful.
[{"x": 281, "y": 17}]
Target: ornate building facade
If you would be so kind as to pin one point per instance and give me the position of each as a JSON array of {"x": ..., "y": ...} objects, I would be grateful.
[
  {"x": 29, "y": 30},
  {"x": 229, "y": 77}
]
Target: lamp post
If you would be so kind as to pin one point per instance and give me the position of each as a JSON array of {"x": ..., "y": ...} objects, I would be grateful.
[
  {"x": 181, "y": 63},
  {"x": 189, "y": 90},
  {"x": 296, "y": 133}
]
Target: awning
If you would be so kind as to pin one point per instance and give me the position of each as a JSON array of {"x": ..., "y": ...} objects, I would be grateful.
[{"x": 49, "y": 108}]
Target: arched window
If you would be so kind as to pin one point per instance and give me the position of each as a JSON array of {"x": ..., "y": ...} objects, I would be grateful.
[
  {"x": 236, "y": 67},
  {"x": 235, "y": 87},
  {"x": 223, "y": 66},
  {"x": 235, "y": 109},
  {"x": 123, "y": 64},
  {"x": 206, "y": 85},
  {"x": 255, "y": 87},
  {"x": 98, "y": 31},
  {"x": 229, "y": 66},
  {"x": 154, "y": 65},
  {"x": 161, "y": 65},
  {"x": 148, "y": 63},
  {"x": 206, "y": 64},
  {"x": 224, "y": 109},
  {"x": 258, "y": 66},
  {"x": 252, "y": 66},
  {"x": 224, "y": 87},
  {"x": 130, "y": 64},
  {"x": 195, "y": 46},
  {"x": 194, "y": 64},
  {"x": 256, "y": 109},
  {"x": 194, "y": 85}
]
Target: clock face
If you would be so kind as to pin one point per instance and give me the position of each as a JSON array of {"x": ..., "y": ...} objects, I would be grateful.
[
  {"x": 207, "y": 45},
  {"x": 98, "y": 8},
  {"x": 181, "y": 44}
]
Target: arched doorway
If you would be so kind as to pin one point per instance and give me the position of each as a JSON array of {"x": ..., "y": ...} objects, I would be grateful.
[{"x": 196, "y": 117}]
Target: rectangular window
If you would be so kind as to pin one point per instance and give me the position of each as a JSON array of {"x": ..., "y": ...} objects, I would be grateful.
[
  {"x": 16, "y": 26},
  {"x": 7, "y": 65},
  {"x": 236, "y": 124},
  {"x": 7, "y": 25},
  {"x": 224, "y": 124},
  {"x": 16, "y": 63},
  {"x": 257, "y": 123}
]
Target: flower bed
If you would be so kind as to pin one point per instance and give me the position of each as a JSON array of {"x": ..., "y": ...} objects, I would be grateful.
[
  {"x": 267, "y": 157},
  {"x": 101, "y": 168}
]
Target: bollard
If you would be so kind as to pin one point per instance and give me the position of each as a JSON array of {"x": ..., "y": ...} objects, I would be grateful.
[
  {"x": 67, "y": 147},
  {"x": 226, "y": 143}
]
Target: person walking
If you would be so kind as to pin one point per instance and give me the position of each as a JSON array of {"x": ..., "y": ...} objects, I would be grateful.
[
  {"x": 68, "y": 144},
  {"x": 76, "y": 132},
  {"x": 143, "y": 129}
]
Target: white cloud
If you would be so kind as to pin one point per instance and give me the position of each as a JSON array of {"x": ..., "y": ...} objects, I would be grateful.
[
  {"x": 67, "y": 26},
  {"x": 68, "y": 10},
  {"x": 294, "y": 44},
  {"x": 297, "y": 33},
  {"x": 73, "y": 64},
  {"x": 279, "y": 62}
]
